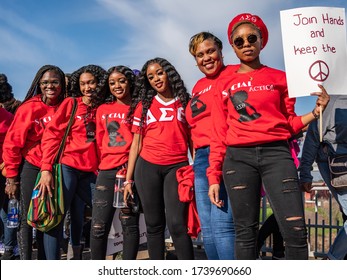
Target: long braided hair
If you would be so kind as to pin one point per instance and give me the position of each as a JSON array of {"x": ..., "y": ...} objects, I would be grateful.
[
  {"x": 100, "y": 75},
  {"x": 35, "y": 85},
  {"x": 145, "y": 93}
]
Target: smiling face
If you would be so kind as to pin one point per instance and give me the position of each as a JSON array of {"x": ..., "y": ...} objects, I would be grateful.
[
  {"x": 158, "y": 79},
  {"x": 50, "y": 86},
  {"x": 119, "y": 87},
  {"x": 209, "y": 58},
  {"x": 246, "y": 49},
  {"x": 88, "y": 84}
]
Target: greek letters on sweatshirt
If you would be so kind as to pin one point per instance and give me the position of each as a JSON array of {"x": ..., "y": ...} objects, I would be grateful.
[
  {"x": 113, "y": 135},
  {"x": 254, "y": 108},
  {"x": 5, "y": 122},
  {"x": 198, "y": 110},
  {"x": 25, "y": 133},
  {"x": 80, "y": 149},
  {"x": 165, "y": 133}
]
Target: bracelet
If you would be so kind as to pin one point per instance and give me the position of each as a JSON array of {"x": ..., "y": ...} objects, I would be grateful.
[
  {"x": 315, "y": 115},
  {"x": 128, "y": 182},
  {"x": 8, "y": 183}
]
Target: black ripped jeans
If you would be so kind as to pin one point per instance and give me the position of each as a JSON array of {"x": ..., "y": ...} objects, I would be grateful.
[
  {"x": 244, "y": 171},
  {"x": 102, "y": 216}
]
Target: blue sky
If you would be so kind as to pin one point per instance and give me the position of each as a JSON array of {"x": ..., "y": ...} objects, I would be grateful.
[{"x": 73, "y": 33}]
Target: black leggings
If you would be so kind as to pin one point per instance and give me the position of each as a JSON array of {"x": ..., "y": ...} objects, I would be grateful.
[
  {"x": 25, "y": 234},
  {"x": 102, "y": 216},
  {"x": 157, "y": 187}
]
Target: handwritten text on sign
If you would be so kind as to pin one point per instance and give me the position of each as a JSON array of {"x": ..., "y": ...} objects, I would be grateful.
[{"x": 314, "y": 44}]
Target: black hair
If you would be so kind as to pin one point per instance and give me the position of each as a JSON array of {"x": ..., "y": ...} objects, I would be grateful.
[
  {"x": 145, "y": 93},
  {"x": 101, "y": 77},
  {"x": 128, "y": 73},
  {"x": 35, "y": 85},
  {"x": 6, "y": 95},
  {"x": 5, "y": 89}
]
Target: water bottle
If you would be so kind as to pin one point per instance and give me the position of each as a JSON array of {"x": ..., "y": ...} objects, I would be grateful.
[
  {"x": 13, "y": 213},
  {"x": 118, "y": 200}
]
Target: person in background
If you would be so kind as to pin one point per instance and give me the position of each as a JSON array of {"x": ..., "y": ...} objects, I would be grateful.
[
  {"x": 217, "y": 223},
  {"x": 79, "y": 159},
  {"x": 159, "y": 148},
  {"x": 113, "y": 140},
  {"x": 22, "y": 152},
  {"x": 9, "y": 234},
  {"x": 334, "y": 131},
  {"x": 7, "y": 99},
  {"x": 253, "y": 118}
]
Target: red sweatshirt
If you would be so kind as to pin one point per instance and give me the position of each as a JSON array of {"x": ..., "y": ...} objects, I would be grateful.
[
  {"x": 80, "y": 149},
  {"x": 198, "y": 110},
  {"x": 113, "y": 135},
  {"x": 254, "y": 108},
  {"x": 5, "y": 122},
  {"x": 165, "y": 133},
  {"x": 25, "y": 133}
]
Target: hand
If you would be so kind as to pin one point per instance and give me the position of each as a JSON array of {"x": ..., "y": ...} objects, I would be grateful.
[
  {"x": 46, "y": 184},
  {"x": 322, "y": 100},
  {"x": 11, "y": 187},
  {"x": 128, "y": 191},
  {"x": 306, "y": 186},
  {"x": 213, "y": 194}
]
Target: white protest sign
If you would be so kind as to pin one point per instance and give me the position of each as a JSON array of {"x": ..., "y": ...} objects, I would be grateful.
[
  {"x": 115, "y": 237},
  {"x": 314, "y": 44}
]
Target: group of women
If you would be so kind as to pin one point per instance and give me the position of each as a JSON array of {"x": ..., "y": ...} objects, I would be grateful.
[{"x": 148, "y": 124}]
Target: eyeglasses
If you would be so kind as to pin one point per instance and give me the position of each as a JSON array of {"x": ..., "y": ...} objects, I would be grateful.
[
  {"x": 53, "y": 83},
  {"x": 239, "y": 41}
]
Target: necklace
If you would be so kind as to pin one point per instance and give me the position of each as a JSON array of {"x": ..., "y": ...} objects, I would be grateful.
[{"x": 254, "y": 72}]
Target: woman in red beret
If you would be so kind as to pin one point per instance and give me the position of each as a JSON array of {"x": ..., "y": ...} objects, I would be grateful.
[{"x": 253, "y": 119}]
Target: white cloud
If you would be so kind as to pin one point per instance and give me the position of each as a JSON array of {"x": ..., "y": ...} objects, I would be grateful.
[
  {"x": 163, "y": 28},
  {"x": 129, "y": 32}
]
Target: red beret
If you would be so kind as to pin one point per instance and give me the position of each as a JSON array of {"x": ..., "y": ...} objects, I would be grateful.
[{"x": 253, "y": 19}]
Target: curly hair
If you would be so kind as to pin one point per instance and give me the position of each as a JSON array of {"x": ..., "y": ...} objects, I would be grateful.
[
  {"x": 145, "y": 93},
  {"x": 198, "y": 38},
  {"x": 101, "y": 77},
  {"x": 128, "y": 73},
  {"x": 35, "y": 85}
]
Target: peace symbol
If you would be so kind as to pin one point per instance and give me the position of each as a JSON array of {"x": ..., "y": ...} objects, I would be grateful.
[{"x": 319, "y": 71}]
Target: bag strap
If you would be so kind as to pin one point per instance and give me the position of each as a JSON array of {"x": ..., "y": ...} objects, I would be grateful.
[{"x": 62, "y": 144}]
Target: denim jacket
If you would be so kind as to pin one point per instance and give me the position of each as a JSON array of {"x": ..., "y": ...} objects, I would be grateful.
[
  {"x": 309, "y": 153},
  {"x": 334, "y": 137}
]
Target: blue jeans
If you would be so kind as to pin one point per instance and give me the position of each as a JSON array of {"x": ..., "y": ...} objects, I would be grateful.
[
  {"x": 244, "y": 171},
  {"x": 10, "y": 234},
  {"x": 75, "y": 182},
  {"x": 217, "y": 224},
  {"x": 338, "y": 249}
]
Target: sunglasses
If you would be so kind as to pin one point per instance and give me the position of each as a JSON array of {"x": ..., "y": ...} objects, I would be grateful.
[{"x": 239, "y": 41}]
